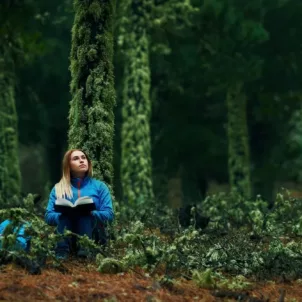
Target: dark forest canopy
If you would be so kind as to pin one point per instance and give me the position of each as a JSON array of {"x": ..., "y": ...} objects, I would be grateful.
[{"x": 220, "y": 81}]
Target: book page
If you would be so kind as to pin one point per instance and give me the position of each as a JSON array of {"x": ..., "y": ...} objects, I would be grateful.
[
  {"x": 83, "y": 200},
  {"x": 64, "y": 202}
]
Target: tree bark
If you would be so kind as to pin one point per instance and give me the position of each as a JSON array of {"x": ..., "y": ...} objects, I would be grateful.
[
  {"x": 136, "y": 166},
  {"x": 91, "y": 117},
  {"x": 10, "y": 176},
  {"x": 238, "y": 142}
]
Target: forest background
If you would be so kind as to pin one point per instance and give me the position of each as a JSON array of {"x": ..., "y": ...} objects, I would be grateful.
[
  {"x": 220, "y": 90},
  {"x": 177, "y": 103}
]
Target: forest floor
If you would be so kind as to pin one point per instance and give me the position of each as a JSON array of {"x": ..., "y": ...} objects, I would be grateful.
[{"x": 80, "y": 281}]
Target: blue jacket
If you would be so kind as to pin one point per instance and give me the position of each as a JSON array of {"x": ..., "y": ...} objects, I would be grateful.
[
  {"x": 87, "y": 186},
  {"x": 22, "y": 241}
]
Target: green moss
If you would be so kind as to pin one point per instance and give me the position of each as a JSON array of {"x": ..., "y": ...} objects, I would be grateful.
[
  {"x": 10, "y": 178},
  {"x": 91, "y": 116},
  {"x": 239, "y": 158},
  {"x": 95, "y": 9},
  {"x": 136, "y": 166}
]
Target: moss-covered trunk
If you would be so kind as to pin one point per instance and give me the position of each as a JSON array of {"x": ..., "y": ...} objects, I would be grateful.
[
  {"x": 91, "y": 117},
  {"x": 238, "y": 142},
  {"x": 136, "y": 166},
  {"x": 10, "y": 178}
]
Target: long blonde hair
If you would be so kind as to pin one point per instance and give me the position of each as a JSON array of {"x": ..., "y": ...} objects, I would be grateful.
[{"x": 63, "y": 187}]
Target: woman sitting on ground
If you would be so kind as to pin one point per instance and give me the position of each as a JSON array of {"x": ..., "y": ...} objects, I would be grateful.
[{"x": 77, "y": 182}]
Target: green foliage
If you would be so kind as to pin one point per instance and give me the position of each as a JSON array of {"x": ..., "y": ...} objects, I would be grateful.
[
  {"x": 231, "y": 210},
  {"x": 173, "y": 15},
  {"x": 230, "y": 46},
  {"x": 244, "y": 238},
  {"x": 92, "y": 86},
  {"x": 238, "y": 140},
  {"x": 294, "y": 145},
  {"x": 10, "y": 178},
  {"x": 136, "y": 163},
  {"x": 10, "y": 46},
  {"x": 285, "y": 216},
  {"x": 42, "y": 95},
  {"x": 20, "y": 43},
  {"x": 210, "y": 279},
  {"x": 204, "y": 279},
  {"x": 225, "y": 54},
  {"x": 42, "y": 237},
  {"x": 109, "y": 265},
  {"x": 233, "y": 33}
]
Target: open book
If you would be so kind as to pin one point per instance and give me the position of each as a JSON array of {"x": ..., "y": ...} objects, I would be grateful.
[{"x": 82, "y": 206}]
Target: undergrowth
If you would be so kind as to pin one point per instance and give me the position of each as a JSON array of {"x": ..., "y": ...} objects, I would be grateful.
[{"x": 243, "y": 239}]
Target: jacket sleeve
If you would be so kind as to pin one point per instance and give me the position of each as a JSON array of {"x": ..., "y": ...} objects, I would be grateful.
[
  {"x": 105, "y": 212},
  {"x": 52, "y": 217}
]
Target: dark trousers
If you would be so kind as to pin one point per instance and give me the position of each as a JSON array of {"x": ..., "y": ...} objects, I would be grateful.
[{"x": 81, "y": 225}]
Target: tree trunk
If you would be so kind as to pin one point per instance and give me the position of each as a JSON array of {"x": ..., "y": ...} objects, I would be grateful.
[
  {"x": 136, "y": 166},
  {"x": 10, "y": 176},
  {"x": 238, "y": 150},
  {"x": 91, "y": 117}
]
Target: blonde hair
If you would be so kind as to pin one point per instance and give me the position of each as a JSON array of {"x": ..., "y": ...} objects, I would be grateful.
[{"x": 63, "y": 187}]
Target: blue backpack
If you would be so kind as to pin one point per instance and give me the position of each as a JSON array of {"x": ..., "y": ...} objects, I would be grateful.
[{"x": 22, "y": 241}]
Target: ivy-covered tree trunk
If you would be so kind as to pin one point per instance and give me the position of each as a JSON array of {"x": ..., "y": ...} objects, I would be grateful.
[
  {"x": 91, "y": 117},
  {"x": 10, "y": 176},
  {"x": 136, "y": 166},
  {"x": 238, "y": 155}
]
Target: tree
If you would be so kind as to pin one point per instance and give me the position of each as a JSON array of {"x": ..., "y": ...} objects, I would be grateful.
[
  {"x": 42, "y": 91},
  {"x": 10, "y": 49},
  {"x": 275, "y": 114},
  {"x": 233, "y": 33},
  {"x": 10, "y": 177},
  {"x": 184, "y": 117},
  {"x": 91, "y": 118},
  {"x": 238, "y": 141},
  {"x": 136, "y": 163}
]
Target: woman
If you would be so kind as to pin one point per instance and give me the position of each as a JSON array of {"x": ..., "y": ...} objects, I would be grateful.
[{"x": 77, "y": 182}]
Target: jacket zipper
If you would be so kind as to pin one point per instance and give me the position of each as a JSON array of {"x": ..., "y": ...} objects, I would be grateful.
[{"x": 79, "y": 186}]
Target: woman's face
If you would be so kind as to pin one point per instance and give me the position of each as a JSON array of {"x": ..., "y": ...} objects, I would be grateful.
[{"x": 78, "y": 163}]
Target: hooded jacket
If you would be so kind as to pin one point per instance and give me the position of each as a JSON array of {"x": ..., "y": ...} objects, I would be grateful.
[{"x": 87, "y": 186}]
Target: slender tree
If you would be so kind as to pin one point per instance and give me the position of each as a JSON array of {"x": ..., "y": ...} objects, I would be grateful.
[
  {"x": 238, "y": 144},
  {"x": 231, "y": 41},
  {"x": 10, "y": 177},
  {"x": 10, "y": 45},
  {"x": 91, "y": 118},
  {"x": 136, "y": 165}
]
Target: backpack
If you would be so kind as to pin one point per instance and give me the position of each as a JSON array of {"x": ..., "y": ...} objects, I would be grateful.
[{"x": 22, "y": 241}]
